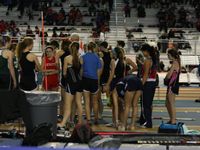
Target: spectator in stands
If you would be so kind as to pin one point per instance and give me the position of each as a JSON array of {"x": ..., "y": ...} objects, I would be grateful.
[
  {"x": 171, "y": 17},
  {"x": 60, "y": 19},
  {"x": 7, "y": 74},
  {"x": 189, "y": 20},
  {"x": 37, "y": 30},
  {"x": 78, "y": 16},
  {"x": 62, "y": 11},
  {"x": 162, "y": 18},
  {"x": 92, "y": 10},
  {"x": 54, "y": 35},
  {"x": 61, "y": 34},
  {"x": 72, "y": 16},
  {"x": 29, "y": 31},
  {"x": 172, "y": 82},
  {"x": 182, "y": 16},
  {"x": 127, "y": 10},
  {"x": 16, "y": 33},
  {"x": 3, "y": 26},
  {"x": 30, "y": 14},
  {"x": 50, "y": 69},
  {"x": 28, "y": 64},
  {"x": 141, "y": 11},
  {"x": 50, "y": 16}
]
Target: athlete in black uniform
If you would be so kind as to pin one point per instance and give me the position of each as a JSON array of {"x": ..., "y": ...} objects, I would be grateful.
[
  {"x": 128, "y": 91},
  {"x": 7, "y": 73},
  {"x": 72, "y": 74},
  {"x": 119, "y": 74},
  {"x": 28, "y": 64},
  {"x": 61, "y": 54}
]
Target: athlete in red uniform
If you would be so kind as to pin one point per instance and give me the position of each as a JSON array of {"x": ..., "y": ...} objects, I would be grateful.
[{"x": 50, "y": 70}]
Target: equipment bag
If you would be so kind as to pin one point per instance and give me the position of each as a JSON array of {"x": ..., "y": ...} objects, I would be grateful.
[
  {"x": 40, "y": 135},
  {"x": 171, "y": 128}
]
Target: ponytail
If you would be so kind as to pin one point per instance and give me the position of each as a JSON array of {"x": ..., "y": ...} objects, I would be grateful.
[
  {"x": 151, "y": 51},
  {"x": 153, "y": 55},
  {"x": 91, "y": 46},
  {"x": 74, "y": 47}
]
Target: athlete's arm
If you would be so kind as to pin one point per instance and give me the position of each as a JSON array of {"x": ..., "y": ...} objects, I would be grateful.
[
  {"x": 132, "y": 64},
  {"x": 37, "y": 64},
  {"x": 65, "y": 66},
  {"x": 175, "y": 66},
  {"x": 112, "y": 72},
  {"x": 147, "y": 66},
  {"x": 10, "y": 57},
  {"x": 81, "y": 71}
]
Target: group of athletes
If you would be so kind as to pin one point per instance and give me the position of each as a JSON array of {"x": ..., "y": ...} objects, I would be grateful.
[{"x": 85, "y": 75}]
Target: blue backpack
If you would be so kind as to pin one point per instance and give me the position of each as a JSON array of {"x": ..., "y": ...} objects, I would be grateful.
[{"x": 171, "y": 128}]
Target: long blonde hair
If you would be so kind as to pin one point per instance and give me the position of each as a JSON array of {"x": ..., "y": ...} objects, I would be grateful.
[{"x": 23, "y": 45}]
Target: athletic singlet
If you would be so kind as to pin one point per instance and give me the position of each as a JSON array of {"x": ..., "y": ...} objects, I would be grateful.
[
  {"x": 3, "y": 64},
  {"x": 119, "y": 70},
  {"x": 174, "y": 82},
  {"x": 27, "y": 78},
  {"x": 5, "y": 77},
  {"x": 152, "y": 73},
  {"x": 52, "y": 80},
  {"x": 106, "y": 69}
]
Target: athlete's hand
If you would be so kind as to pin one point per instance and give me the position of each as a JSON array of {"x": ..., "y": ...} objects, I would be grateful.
[{"x": 106, "y": 88}]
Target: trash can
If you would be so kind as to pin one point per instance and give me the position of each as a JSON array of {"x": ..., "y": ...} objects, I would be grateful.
[{"x": 43, "y": 108}]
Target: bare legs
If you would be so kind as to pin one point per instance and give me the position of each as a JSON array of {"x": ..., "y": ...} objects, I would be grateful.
[
  {"x": 135, "y": 109},
  {"x": 115, "y": 107},
  {"x": 94, "y": 98},
  {"x": 67, "y": 109},
  {"x": 62, "y": 103},
  {"x": 68, "y": 105},
  {"x": 128, "y": 97},
  {"x": 131, "y": 99},
  {"x": 170, "y": 104},
  {"x": 79, "y": 106}
]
